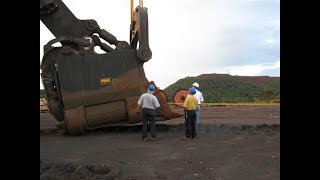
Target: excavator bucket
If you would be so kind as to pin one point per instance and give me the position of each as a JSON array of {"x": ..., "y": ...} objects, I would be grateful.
[{"x": 88, "y": 92}]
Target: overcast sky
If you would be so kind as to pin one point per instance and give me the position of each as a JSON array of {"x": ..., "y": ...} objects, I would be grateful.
[{"x": 192, "y": 37}]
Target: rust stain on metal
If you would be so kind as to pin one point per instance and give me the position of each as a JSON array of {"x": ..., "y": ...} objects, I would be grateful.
[
  {"x": 179, "y": 97},
  {"x": 164, "y": 110}
]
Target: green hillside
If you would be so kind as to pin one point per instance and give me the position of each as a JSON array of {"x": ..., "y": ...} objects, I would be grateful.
[{"x": 219, "y": 88}]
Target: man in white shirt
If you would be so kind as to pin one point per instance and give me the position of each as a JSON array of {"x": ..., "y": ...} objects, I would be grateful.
[
  {"x": 148, "y": 103},
  {"x": 200, "y": 99}
]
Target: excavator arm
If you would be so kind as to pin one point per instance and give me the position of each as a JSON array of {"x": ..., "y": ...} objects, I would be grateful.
[
  {"x": 62, "y": 23},
  {"x": 86, "y": 90}
]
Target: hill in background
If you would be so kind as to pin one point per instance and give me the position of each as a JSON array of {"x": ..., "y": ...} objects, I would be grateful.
[{"x": 224, "y": 88}]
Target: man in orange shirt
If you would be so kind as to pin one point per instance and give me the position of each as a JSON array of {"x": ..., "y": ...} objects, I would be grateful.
[{"x": 190, "y": 106}]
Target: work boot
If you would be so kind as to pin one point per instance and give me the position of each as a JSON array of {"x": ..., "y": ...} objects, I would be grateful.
[
  {"x": 153, "y": 139},
  {"x": 145, "y": 139},
  {"x": 185, "y": 138}
]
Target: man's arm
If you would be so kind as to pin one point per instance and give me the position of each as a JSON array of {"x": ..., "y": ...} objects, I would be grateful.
[
  {"x": 201, "y": 100},
  {"x": 139, "y": 105},
  {"x": 138, "y": 108},
  {"x": 156, "y": 102}
]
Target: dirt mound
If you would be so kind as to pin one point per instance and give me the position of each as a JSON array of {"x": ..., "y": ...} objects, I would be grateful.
[
  {"x": 70, "y": 171},
  {"x": 261, "y": 129}
]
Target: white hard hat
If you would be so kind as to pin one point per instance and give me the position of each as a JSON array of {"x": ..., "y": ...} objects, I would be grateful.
[{"x": 195, "y": 85}]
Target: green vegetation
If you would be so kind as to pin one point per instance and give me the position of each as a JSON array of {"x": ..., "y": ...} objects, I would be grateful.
[{"x": 223, "y": 88}]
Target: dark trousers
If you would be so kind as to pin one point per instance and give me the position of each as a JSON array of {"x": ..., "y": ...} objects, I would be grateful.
[
  {"x": 191, "y": 124},
  {"x": 148, "y": 115}
]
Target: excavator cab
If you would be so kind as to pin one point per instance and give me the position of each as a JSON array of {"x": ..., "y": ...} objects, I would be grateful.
[{"x": 86, "y": 90}]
